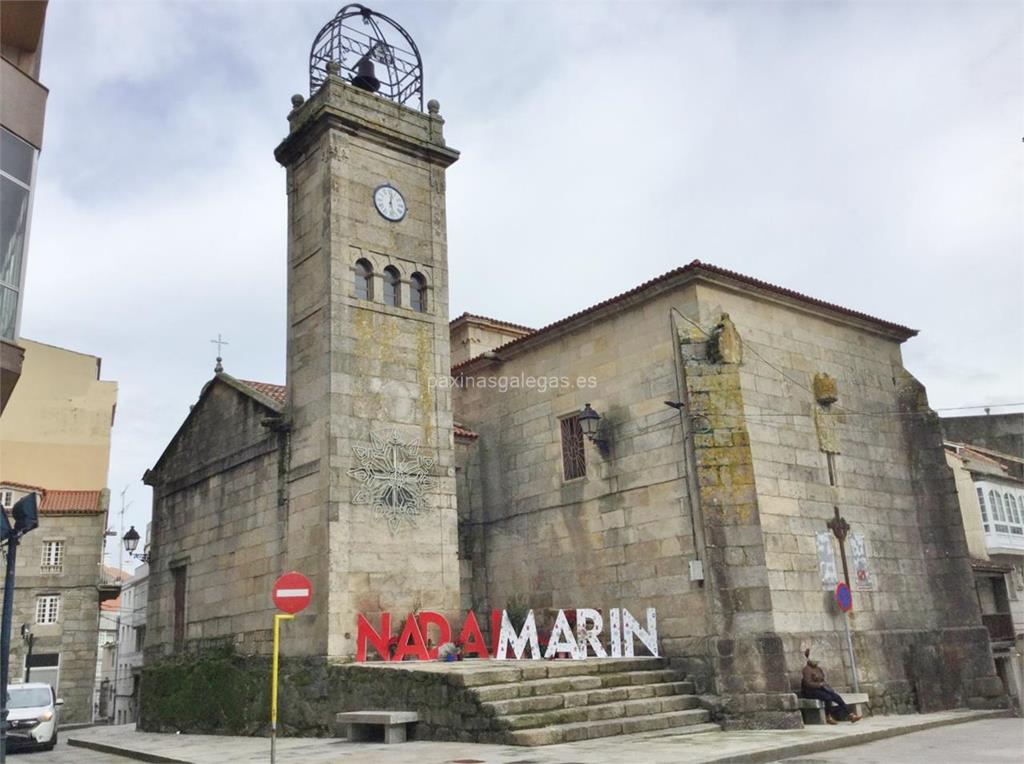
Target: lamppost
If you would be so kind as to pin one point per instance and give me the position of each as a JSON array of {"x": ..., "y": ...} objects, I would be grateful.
[
  {"x": 26, "y": 518},
  {"x": 131, "y": 543}
]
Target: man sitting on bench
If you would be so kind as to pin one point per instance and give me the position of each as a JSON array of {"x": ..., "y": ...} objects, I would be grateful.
[{"x": 813, "y": 686}]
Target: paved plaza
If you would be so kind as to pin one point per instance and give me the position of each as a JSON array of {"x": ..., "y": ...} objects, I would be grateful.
[{"x": 953, "y": 736}]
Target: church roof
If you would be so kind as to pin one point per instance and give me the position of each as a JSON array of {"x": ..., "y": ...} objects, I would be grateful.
[
  {"x": 278, "y": 393},
  {"x": 488, "y": 319},
  {"x": 697, "y": 269}
]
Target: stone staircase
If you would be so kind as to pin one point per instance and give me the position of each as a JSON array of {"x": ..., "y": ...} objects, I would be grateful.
[
  {"x": 580, "y": 700},
  {"x": 529, "y": 702}
]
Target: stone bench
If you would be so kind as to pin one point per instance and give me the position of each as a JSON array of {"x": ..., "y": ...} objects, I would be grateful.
[
  {"x": 363, "y": 725},
  {"x": 813, "y": 711}
]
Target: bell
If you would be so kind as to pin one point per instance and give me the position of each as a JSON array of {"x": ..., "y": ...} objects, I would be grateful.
[{"x": 365, "y": 78}]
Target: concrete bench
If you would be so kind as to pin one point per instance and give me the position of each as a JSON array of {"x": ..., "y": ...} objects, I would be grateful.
[
  {"x": 813, "y": 711},
  {"x": 363, "y": 725}
]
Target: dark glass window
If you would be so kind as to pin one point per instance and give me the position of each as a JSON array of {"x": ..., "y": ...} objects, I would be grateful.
[
  {"x": 364, "y": 280},
  {"x": 574, "y": 457},
  {"x": 418, "y": 292},
  {"x": 392, "y": 287}
]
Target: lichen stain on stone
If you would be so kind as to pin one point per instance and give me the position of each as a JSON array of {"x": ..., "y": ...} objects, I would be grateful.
[
  {"x": 374, "y": 349},
  {"x": 424, "y": 368}
]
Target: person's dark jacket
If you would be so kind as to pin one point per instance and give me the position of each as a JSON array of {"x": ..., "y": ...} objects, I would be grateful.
[{"x": 813, "y": 678}]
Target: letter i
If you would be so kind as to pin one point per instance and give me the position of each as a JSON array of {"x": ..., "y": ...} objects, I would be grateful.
[{"x": 615, "y": 641}]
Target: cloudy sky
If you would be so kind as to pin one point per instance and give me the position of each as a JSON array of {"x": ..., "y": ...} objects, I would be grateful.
[{"x": 866, "y": 153}]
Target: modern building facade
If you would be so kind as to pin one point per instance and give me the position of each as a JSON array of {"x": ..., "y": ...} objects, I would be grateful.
[
  {"x": 22, "y": 112},
  {"x": 55, "y": 441}
]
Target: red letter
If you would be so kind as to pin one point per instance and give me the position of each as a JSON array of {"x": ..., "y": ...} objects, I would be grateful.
[
  {"x": 411, "y": 641},
  {"x": 428, "y": 617},
  {"x": 379, "y": 641},
  {"x": 471, "y": 639}
]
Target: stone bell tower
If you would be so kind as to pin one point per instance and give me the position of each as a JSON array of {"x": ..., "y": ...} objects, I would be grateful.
[{"x": 371, "y": 472}]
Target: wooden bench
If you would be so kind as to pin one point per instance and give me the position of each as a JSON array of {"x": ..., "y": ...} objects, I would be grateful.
[
  {"x": 363, "y": 725},
  {"x": 813, "y": 711}
]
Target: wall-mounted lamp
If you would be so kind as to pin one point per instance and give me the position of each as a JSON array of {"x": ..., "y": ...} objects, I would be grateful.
[
  {"x": 131, "y": 543},
  {"x": 590, "y": 422}
]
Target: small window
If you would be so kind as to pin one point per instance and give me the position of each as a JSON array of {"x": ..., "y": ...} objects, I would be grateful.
[
  {"x": 364, "y": 280},
  {"x": 984, "y": 513},
  {"x": 392, "y": 287},
  {"x": 53, "y": 556},
  {"x": 47, "y": 608},
  {"x": 418, "y": 292},
  {"x": 6, "y": 499},
  {"x": 574, "y": 458}
]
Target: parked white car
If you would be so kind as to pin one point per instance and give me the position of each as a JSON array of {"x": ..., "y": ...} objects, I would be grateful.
[{"x": 32, "y": 721}]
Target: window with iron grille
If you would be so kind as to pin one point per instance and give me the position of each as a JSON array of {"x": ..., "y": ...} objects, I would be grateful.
[
  {"x": 47, "y": 608},
  {"x": 574, "y": 458},
  {"x": 53, "y": 556}
]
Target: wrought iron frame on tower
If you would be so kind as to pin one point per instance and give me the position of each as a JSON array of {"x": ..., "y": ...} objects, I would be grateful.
[{"x": 355, "y": 51}]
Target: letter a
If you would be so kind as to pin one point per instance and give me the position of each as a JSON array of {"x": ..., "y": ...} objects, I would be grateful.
[
  {"x": 410, "y": 642},
  {"x": 471, "y": 639}
]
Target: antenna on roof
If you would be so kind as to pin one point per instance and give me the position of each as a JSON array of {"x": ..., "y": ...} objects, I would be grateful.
[{"x": 219, "y": 343}]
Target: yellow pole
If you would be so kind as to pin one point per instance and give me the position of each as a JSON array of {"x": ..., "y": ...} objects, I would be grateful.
[{"x": 278, "y": 617}]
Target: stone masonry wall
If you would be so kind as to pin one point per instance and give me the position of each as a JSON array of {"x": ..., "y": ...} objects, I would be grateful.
[
  {"x": 621, "y": 536},
  {"x": 360, "y": 371},
  {"x": 74, "y": 636},
  {"x": 218, "y": 510},
  {"x": 882, "y": 489}
]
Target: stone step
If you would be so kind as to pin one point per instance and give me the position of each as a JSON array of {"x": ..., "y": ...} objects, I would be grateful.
[
  {"x": 548, "y": 702},
  {"x": 660, "y": 676},
  {"x": 474, "y": 673},
  {"x": 567, "y": 733},
  {"x": 533, "y": 687},
  {"x": 600, "y": 712}
]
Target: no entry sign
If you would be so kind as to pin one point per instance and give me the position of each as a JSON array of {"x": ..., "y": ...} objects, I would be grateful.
[
  {"x": 292, "y": 592},
  {"x": 843, "y": 597}
]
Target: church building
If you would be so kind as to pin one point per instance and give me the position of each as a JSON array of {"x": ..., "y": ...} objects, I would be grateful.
[{"x": 720, "y": 449}]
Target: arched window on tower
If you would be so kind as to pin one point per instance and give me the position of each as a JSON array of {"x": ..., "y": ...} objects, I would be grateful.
[
  {"x": 418, "y": 292},
  {"x": 364, "y": 279},
  {"x": 392, "y": 286}
]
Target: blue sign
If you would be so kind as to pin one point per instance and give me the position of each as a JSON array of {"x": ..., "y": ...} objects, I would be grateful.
[{"x": 843, "y": 597}]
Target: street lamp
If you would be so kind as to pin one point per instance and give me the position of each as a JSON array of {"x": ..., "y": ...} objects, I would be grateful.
[
  {"x": 590, "y": 422},
  {"x": 131, "y": 543}
]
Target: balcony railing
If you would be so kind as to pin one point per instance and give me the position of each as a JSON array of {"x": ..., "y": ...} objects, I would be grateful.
[{"x": 999, "y": 625}]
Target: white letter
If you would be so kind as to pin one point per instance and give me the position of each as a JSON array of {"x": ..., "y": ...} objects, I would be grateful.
[
  {"x": 589, "y": 636},
  {"x": 561, "y": 639},
  {"x": 613, "y": 634},
  {"x": 518, "y": 641},
  {"x": 648, "y": 636}
]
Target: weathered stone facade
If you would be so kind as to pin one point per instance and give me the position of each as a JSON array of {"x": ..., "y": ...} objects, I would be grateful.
[
  {"x": 69, "y": 642},
  {"x": 782, "y": 408}
]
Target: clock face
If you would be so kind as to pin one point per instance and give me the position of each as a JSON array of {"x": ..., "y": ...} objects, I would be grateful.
[{"x": 389, "y": 202}]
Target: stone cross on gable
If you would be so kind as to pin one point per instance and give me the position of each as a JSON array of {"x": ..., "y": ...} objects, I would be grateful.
[
  {"x": 219, "y": 343},
  {"x": 840, "y": 529}
]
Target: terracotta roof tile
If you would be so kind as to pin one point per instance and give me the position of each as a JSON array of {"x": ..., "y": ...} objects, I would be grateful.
[
  {"x": 462, "y": 432},
  {"x": 70, "y": 502},
  {"x": 478, "y": 317},
  {"x": 696, "y": 267},
  {"x": 278, "y": 393}
]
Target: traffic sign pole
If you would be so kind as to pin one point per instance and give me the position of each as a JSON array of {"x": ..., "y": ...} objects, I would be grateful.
[
  {"x": 278, "y": 617},
  {"x": 292, "y": 592},
  {"x": 844, "y": 599}
]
